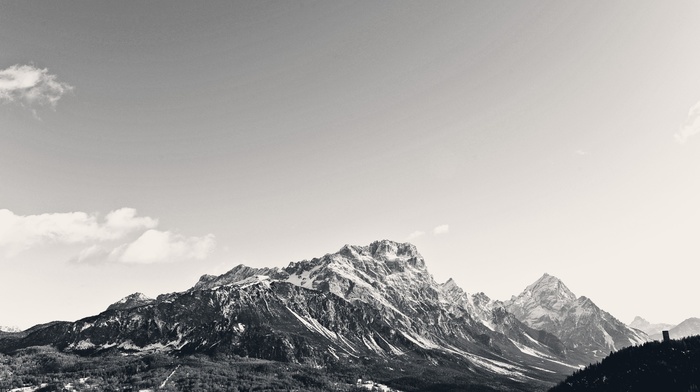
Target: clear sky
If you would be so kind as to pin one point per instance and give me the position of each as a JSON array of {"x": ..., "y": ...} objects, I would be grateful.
[{"x": 145, "y": 143}]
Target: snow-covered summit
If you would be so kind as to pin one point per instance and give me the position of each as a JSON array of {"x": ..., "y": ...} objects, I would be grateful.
[{"x": 131, "y": 301}]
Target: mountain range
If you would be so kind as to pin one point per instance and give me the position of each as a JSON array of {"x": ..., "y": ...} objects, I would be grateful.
[
  {"x": 375, "y": 306},
  {"x": 688, "y": 327},
  {"x": 651, "y": 329}
]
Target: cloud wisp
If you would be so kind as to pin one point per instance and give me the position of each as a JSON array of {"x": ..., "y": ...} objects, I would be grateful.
[
  {"x": 30, "y": 86},
  {"x": 153, "y": 246},
  {"x": 108, "y": 239},
  {"x": 415, "y": 235},
  {"x": 691, "y": 126},
  {"x": 439, "y": 230},
  {"x": 156, "y": 246},
  {"x": 442, "y": 229},
  {"x": 21, "y": 232}
]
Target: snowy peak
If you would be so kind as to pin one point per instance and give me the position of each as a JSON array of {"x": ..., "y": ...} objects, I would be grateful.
[
  {"x": 549, "y": 286},
  {"x": 542, "y": 304},
  {"x": 131, "y": 301},
  {"x": 237, "y": 274}
]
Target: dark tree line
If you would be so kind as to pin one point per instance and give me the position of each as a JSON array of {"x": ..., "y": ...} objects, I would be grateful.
[{"x": 672, "y": 366}]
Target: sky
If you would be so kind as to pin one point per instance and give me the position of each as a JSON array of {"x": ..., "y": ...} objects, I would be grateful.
[{"x": 146, "y": 143}]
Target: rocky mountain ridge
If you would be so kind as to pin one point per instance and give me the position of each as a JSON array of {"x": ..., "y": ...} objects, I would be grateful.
[{"x": 588, "y": 332}]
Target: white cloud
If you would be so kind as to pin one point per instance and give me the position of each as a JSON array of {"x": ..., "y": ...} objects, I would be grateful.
[
  {"x": 21, "y": 232},
  {"x": 156, "y": 246},
  {"x": 442, "y": 229},
  {"x": 415, "y": 235},
  {"x": 31, "y": 86},
  {"x": 125, "y": 219},
  {"x": 691, "y": 126},
  {"x": 581, "y": 152},
  {"x": 92, "y": 255}
]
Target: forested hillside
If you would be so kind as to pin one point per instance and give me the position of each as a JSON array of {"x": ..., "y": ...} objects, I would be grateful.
[{"x": 654, "y": 366}]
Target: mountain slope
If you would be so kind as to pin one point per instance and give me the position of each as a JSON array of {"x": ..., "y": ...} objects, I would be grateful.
[{"x": 588, "y": 332}]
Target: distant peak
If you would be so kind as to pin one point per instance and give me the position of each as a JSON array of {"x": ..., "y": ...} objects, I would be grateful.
[
  {"x": 548, "y": 285},
  {"x": 548, "y": 277},
  {"x": 135, "y": 296},
  {"x": 385, "y": 247},
  {"x": 390, "y": 251},
  {"x": 131, "y": 301}
]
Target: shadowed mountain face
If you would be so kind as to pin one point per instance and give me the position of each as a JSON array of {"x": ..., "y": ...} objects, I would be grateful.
[
  {"x": 587, "y": 332},
  {"x": 372, "y": 304}
]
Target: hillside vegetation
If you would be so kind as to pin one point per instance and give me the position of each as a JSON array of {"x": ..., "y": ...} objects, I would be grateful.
[{"x": 654, "y": 366}]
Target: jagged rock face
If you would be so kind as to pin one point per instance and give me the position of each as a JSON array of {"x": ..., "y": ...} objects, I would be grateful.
[
  {"x": 542, "y": 304},
  {"x": 391, "y": 277},
  {"x": 263, "y": 319},
  {"x": 588, "y": 332}
]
